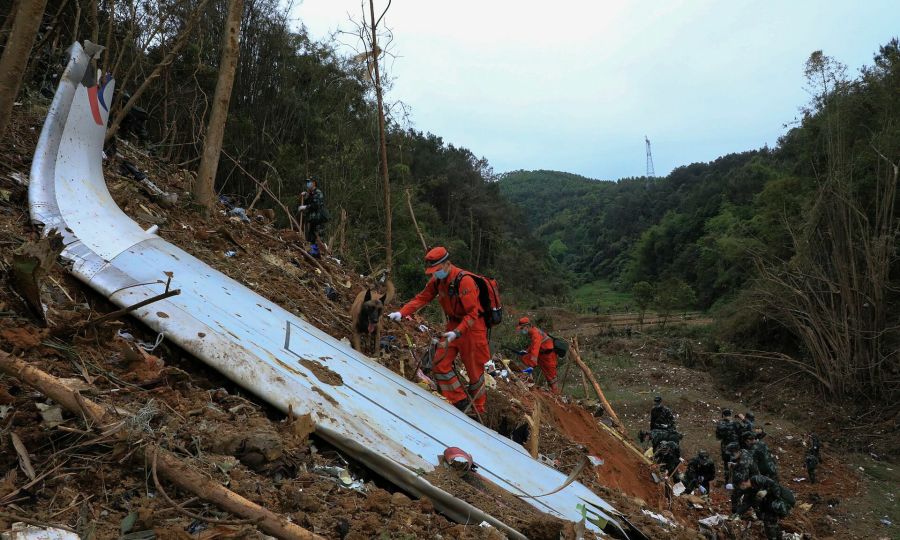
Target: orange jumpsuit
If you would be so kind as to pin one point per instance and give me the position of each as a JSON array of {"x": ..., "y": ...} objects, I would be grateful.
[
  {"x": 463, "y": 312},
  {"x": 541, "y": 353}
]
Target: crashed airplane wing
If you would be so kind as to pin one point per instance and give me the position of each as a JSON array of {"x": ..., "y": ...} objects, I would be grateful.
[{"x": 383, "y": 420}]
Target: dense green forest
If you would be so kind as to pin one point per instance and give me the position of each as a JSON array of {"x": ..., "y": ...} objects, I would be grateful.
[
  {"x": 705, "y": 223},
  {"x": 795, "y": 245}
]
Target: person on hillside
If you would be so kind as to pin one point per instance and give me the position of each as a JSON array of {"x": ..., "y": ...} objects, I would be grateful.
[
  {"x": 466, "y": 331},
  {"x": 744, "y": 423},
  {"x": 726, "y": 433},
  {"x": 540, "y": 351},
  {"x": 661, "y": 417},
  {"x": 812, "y": 462},
  {"x": 700, "y": 472},
  {"x": 315, "y": 215},
  {"x": 741, "y": 468},
  {"x": 770, "y": 500},
  {"x": 747, "y": 440},
  {"x": 814, "y": 444},
  {"x": 763, "y": 458},
  {"x": 668, "y": 456},
  {"x": 658, "y": 436}
]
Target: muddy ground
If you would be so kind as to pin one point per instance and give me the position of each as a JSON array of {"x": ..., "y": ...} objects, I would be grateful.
[{"x": 856, "y": 496}]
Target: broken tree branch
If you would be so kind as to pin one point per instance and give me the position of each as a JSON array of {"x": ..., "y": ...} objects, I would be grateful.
[
  {"x": 169, "y": 466},
  {"x": 590, "y": 376},
  {"x": 412, "y": 214}
]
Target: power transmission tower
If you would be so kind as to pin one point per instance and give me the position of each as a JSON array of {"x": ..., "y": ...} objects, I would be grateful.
[{"x": 650, "y": 172}]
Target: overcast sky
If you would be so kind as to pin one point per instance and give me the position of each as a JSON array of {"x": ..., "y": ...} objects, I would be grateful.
[{"x": 575, "y": 86}]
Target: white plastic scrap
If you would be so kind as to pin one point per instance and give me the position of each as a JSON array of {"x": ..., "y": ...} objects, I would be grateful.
[
  {"x": 714, "y": 520},
  {"x": 658, "y": 517},
  {"x": 21, "y": 531},
  {"x": 678, "y": 489},
  {"x": 595, "y": 461}
]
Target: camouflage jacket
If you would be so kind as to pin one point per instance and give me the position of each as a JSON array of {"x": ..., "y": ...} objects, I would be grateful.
[
  {"x": 660, "y": 415},
  {"x": 743, "y": 468},
  {"x": 315, "y": 207},
  {"x": 778, "y": 500},
  {"x": 764, "y": 460}
]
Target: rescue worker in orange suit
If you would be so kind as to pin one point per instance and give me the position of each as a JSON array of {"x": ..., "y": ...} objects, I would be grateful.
[
  {"x": 540, "y": 351},
  {"x": 466, "y": 332}
]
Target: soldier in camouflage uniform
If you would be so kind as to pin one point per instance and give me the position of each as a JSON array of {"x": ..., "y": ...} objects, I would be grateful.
[
  {"x": 770, "y": 500},
  {"x": 315, "y": 214},
  {"x": 742, "y": 467},
  {"x": 743, "y": 423},
  {"x": 811, "y": 462},
  {"x": 658, "y": 436},
  {"x": 762, "y": 457},
  {"x": 668, "y": 456},
  {"x": 700, "y": 472},
  {"x": 661, "y": 417},
  {"x": 726, "y": 432}
]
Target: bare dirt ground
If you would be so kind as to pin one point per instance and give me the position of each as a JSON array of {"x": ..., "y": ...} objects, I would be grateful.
[{"x": 856, "y": 493}]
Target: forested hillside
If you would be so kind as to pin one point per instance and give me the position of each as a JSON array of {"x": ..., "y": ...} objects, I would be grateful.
[
  {"x": 796, "y": 243},
  {"x": 299, "y": 109}
]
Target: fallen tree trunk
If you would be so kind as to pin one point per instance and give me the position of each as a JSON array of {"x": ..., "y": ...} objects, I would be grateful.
[
  {"x": 590, "y": 376},
  {"x": 169, "y": 466}
]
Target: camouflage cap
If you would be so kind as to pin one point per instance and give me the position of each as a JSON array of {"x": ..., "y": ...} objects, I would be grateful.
[
  {"x": 726, "y": 412},
  {"x": 657, "y": 399},
  {"x": 732, "y": 447}
]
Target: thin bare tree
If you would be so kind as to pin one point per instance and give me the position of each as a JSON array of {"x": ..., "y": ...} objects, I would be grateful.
[
  {"x": 28, "y": 17},
  {"x": 373, "y": 57},
  {"x": 204, "y": 192}
]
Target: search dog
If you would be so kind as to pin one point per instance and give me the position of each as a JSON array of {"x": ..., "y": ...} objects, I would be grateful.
[{"x": 365, "y": 318}]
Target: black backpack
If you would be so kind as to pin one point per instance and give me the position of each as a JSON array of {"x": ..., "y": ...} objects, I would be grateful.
[
  {"x": 488, "y": 297},
  {"x": 560, "y": 346}
]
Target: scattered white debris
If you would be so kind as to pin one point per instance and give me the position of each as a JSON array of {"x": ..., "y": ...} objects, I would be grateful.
[
  {"x": 658, "y": 517},
  {"x": 678, "y": 489},
  {"x": 51, "y": 414},
  {"x": 4, "y": 410},
  {"x": 800, "y": 479},
  {"x": 595, "y": 461},
  {"x": 714, "y": 520},
  {"x": 886, "y": 522},
  {"x": 21, "y": 531}
]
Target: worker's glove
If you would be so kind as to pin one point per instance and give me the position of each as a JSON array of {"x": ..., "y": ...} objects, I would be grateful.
[
  {"x": 528, "y": 370},
  {"x": 395, "y": 316},
  {"x": 761, "y": 494},
  {"x": 450, "y": 336},
  {"x": 301, "y": 207},
  {"x": 729, "y": 487}
]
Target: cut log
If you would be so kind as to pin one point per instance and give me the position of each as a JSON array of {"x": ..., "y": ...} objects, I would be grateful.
[{"x": 168, "y": 465}]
